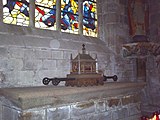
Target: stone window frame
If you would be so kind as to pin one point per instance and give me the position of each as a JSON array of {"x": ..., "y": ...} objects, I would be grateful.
[{"x": 58, "y": 15}]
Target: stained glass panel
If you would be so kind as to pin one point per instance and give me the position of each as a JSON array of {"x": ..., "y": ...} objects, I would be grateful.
[
  {"x": 69, "y": 16},
  {"x": 45, "y": 14},
  {"x": 16, "y": 12},
  {"x": 90, "y": 18}
]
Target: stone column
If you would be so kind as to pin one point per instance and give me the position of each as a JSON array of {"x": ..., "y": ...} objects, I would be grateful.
[
  {"x": 141, "y": 70},
  {"x": 32, "y": 13},
  {"x": 80, "y": 17},
  {"x": 1, "y": 11},
  {"x": 58, "y": 15}
]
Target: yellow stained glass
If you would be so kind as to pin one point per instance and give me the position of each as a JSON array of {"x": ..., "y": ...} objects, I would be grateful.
[
  {"x": 69, "y": 16},
  {"x": 16, "y": 12}
]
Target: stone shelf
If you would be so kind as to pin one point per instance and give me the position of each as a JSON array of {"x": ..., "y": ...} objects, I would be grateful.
[{"x": 31, "y": 97}]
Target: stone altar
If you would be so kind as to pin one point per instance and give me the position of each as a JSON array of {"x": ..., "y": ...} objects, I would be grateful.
[{"x": 111, "y": 101}]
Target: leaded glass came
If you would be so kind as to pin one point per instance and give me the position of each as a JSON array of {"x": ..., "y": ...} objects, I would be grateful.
[
  {"x": 45, "y": 14},
  {"x": 89, "y": 18},
  {"x": 69, "y": 16},
  {"x": 16, "y": 12}
]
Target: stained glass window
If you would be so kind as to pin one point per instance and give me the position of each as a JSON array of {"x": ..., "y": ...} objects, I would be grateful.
[
  {"x": 69, "y": 16},
  {"x": 89, "y": 18},
  {"x": 45, "y": 14},
  {"x": 16, "y": 12}
]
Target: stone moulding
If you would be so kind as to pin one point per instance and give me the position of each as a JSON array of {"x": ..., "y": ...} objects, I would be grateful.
[{"x": 141, "y": 49}]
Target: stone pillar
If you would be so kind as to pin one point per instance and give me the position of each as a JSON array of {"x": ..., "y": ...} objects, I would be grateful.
[
  {"x": 141, "y": 69},
  {"x": 1, "y": 11},
  {"x": 58, "y": 15},
  {"x": 138, "y": 16},
  {"x": 80, "y": 18},
  {"x": 32, "y": 13}
]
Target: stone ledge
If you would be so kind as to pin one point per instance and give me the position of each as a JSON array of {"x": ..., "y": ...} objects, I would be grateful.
[{"x": 30, "y": 97}]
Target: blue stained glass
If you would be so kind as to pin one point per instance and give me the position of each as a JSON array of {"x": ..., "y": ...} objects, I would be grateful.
[
  {"x": 69, "y": 16},
  {"x": 45, "y": 14},
  {"x": 89, "y": 18},
  {"x": 16, "y": 12}
]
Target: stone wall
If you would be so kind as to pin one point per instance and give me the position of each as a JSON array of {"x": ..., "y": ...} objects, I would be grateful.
[
  {"x": 153, "y": 62},
  {"x": 152, "y": 94},
  {"x": 115, "y": 32},
  {"x": 119, "y": 108},
  {"x": 28, "y": 54}
]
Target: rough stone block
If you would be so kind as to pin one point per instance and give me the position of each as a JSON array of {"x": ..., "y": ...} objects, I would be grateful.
[
  {"x": 32, "y": 64},
  {"x": 29, "y": 54},
  {"x": 154, "y": 31},
  {"x": 15, "y": 64},
  {"x": 3, "y": 64},
  {"x": 131, "y": 99},
  {"x": 112, "y": 7},
  {"x": 120, "y": 113},
  {"x": 49, "y": 64},
  {"x": 100, "y": 106},
  {"x": 16, "y": 52},
  {"x": 82, "y": 108},
  {"x": 57, "y": 55},
  {"x": 9, "y": 113},
  {"x": 37, "y": 41},
  {"x": 64, "y": 64},
  {"x": 59, "y": 113},
  {"x": 134, "y": 109},
  {"x": 156, "y": 99},
  {"x": 154, "y": 18},
  {"x": 48, "y": 73},
  {"x": 35, "y": 114},
  {"x": 114, "y": 102},
  {"x": 126, "y": 100},
  {"x": 3, "y": 52},
  {"x": 134, "y": 117},
  {"x": 82, "y": 117},
  {"x": 67, "y": 54},
  {"x": 22, "y": 78},
  {"x": 101, "y": 116},
  {"x": 111, "y": 18},
  {"x": 11, "y": 40},
  {"x": 43, "y": 54}
]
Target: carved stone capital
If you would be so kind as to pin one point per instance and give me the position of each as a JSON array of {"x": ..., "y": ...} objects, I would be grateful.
[{"x": 141, "y": 49}]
